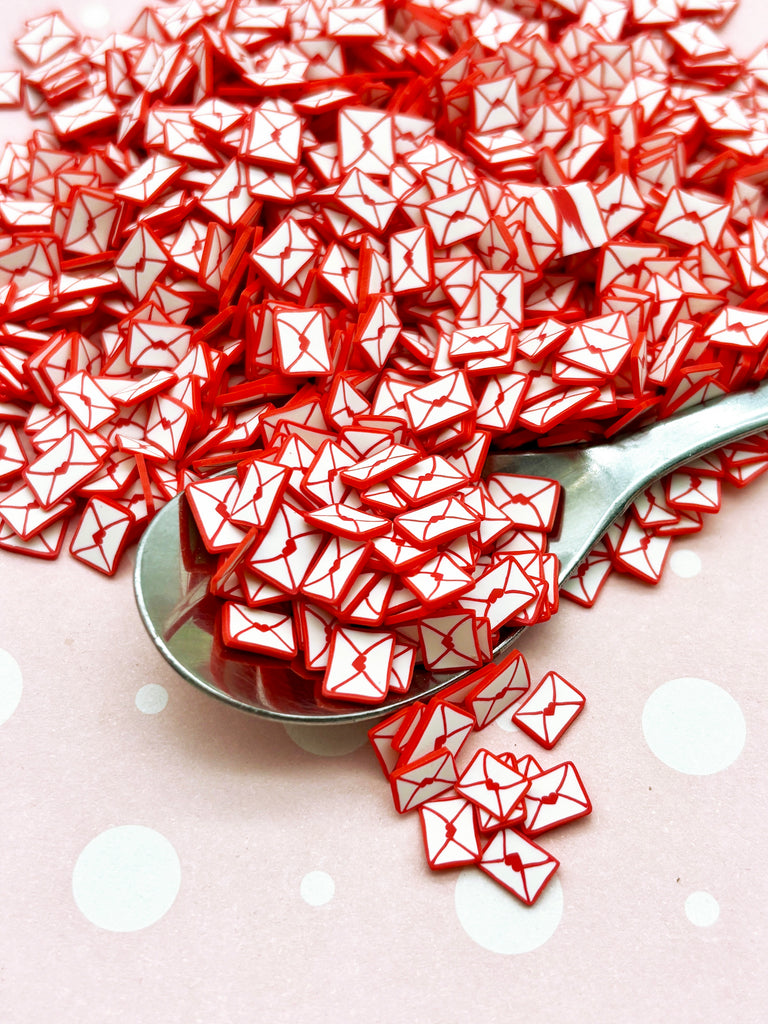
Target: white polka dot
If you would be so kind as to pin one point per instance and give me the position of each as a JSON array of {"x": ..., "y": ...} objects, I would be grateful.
[
  {"x": 126, "y": 878},
  {"x": 685, "y": 564},
  {"x": 702, "y": 909},
  {"x": 497, "y": 921},
  {"x": 10, "y": 686},
  {"x": 329, "y": 740},
  {"x": 93, "y": 16},
  {"x": 505, "y": 722},
  {"x": 694, "y": 726},
  {"x": 151, "y": 698},
  {"x": 317, "y": 888}
]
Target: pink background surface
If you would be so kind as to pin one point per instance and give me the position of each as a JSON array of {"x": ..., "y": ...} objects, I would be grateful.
[{"x": 250, "y": 812}]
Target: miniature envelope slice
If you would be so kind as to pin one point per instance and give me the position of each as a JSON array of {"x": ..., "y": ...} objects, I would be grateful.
[
  {"x": 555, "y": 797},
  {"x": 348, "y": 521},
  {"x": 519, "y": 865},
  {"x": 339, "y": 269},
  {"x": 366, "y": 140},
  {"x": 149, "y": 179},
  {"x": 301, "y": 342},
  {"x": 362, "y": 586},
  {"x": 186, "y": 248},
  {"x": 497, "y": 295},
  {"x": 26, "y": 213},
  {"x": 315, "y": 628},
  {"x": 255, "y": 591},
  {"x": 157, "y": 346},
  {"x": 469, "y": 456},
  {"x": 450, "y": 642},
  {"x": 437, "y": 522},
  {"x": 621, "y": 263},
  {"x": 272, "y": 135},
  {"x": 447, "y": 175},
  {"x": 496, "y": 694},
  {"x": 365, "y": 604},
  {"x": 87, "y": 402},
  {"x": 357, "y": 21},
  {"x": 10, "y": 89},
  {"x": 491, "y": 784},
  {"x": 488, "y": 822},
  {"x": 585, "y": 584},
  {"x": 685, "y": 489},
  {"x": 427, "y": 480},
  {"x": 549, "y": 710},
  {"x": 284, "y": 252},
  {"x": 530, "y": 502},
  {"x": 426, "y": 779},
  {"x": 377, "y": 330},
  {"x": 651, "y": 509},
  {"x": 438, "y": 580},
  {"x": 449, "y": 830},
  {"x": 45, "y": 544},
  {"x": 102, "y": 534},
  {"x": 486, "y": 340},
  {"x": 692, "y": 218},
  {"x": 457, "y": 216},
  {"x": 501, "y": 590},
  {"x": 495, "y": 104},
  {"x": 410, "y": 260},
  {"x": 359, "y": 665},
  {"x": 285, "y": 551},
  {"x": 439, "y": 402},
  {"x": 620, "y": 202},
  {"x": 91, "y": 222},
  {"x": 600, "y": 344},
  {"x": 169, "y": 425},
  {"x": 740, "y": 328},
  {"x": 258, "y": 630},
  {"x": 62, "y": 468},
  {"x": 321, "y": 482},
  {"x": 366, "y": 200},
  {"x": 384, "y": 463},
  {"x": 93, "y": 114},
  {"x": 23, "y": 514},
  {"x": 141, "y": 261},
  {"x": 334, "y": 570},
  {"x": 257, "y": 500},
  {"x": 493, "y": 522},
  {"x": 211, "y": 503},
  {"x": 227, "y": 197},
  {"x": 500, "y": 401},
  {"x": 442, "y": 725},
  {"x": 345, "y": 403},
  {"x": 641, "y": 552}
]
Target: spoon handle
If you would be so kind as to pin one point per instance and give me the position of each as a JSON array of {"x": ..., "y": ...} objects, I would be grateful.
[
  {"x": 660, "y": 447},
  {"x": 600, "y": 482}
]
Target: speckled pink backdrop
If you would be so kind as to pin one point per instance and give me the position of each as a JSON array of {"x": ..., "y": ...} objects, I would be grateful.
[{"x": 265, "y": 875}]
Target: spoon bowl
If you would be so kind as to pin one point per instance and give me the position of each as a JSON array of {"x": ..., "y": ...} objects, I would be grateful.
[{"x": 173, "y": 568}]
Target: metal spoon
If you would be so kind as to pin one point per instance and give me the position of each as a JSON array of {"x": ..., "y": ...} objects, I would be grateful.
[{"x": 599, "y": 482}]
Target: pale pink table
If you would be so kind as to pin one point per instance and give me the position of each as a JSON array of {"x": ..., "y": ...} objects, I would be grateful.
[{"x": 182, "y": 862}]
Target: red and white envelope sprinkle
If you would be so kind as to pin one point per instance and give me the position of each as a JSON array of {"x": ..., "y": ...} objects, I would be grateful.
[
  {"x": 486, "y": 811},
  {"x": 239, "y": 241}
]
